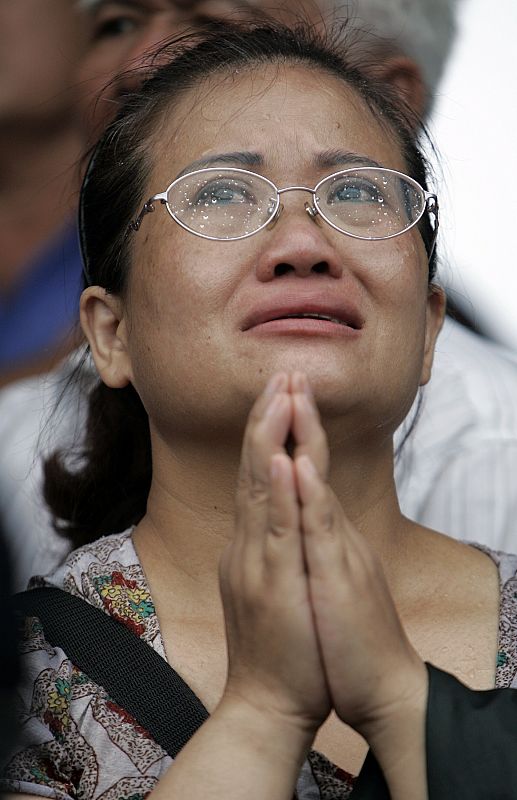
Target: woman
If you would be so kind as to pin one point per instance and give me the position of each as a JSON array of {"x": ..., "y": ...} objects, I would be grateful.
[{"x": 294, "y": 279}]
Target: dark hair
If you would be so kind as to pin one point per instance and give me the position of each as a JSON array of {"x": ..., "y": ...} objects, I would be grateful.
[{"x": 109, "y": 490}]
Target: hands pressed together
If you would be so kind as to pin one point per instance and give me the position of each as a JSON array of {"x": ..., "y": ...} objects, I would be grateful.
[{"x": 311, "y": 624}]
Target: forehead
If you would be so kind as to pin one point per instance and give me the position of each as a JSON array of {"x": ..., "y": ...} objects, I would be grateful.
[{"x": 287, "y": 113}]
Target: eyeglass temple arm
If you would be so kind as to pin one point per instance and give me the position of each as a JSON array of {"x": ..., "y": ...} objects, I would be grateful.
[
  {"x": 432, "y": 208},
  {"x": 147, "y": 208}
]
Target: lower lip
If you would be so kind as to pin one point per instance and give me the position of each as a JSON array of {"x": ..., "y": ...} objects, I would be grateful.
[{"x": 305, "y": 327}]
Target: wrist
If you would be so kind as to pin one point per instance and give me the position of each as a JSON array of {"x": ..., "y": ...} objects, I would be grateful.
[
  {"x": 403, "y": 706},
  {"x": 274, "y": 734},
  {"x": 396, "y": 737}
]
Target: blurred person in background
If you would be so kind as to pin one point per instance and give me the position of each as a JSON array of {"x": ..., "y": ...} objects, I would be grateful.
[
  {"x": 454, "y": 471},
  {"x": 41, "y": 46}
]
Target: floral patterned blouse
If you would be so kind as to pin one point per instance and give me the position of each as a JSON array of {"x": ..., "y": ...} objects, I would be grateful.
[{"x": 77, "y": 743}]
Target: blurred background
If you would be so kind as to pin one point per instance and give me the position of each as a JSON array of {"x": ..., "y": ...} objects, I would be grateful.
[{"x": 474, "y": 125}]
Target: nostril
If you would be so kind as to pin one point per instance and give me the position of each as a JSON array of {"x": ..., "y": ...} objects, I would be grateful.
[
  {"x": 321, "y": 268},
  {"x": 283, "y": 269}
]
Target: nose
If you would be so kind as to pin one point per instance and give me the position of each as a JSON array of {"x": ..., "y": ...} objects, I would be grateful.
[{"x": 297, "y": 245}]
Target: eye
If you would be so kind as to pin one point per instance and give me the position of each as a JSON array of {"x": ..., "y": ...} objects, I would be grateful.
[
  {"x": 113, "y": 24},
  {"x": 224, "y": 193},
  {"x": 354, "y": 190}
]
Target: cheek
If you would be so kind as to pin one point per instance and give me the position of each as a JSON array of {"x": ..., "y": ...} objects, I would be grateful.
[
  {"x": 180, "y": 288},
  {"x": 397, "y": 288},
  {"x": 397, "y": 278}
]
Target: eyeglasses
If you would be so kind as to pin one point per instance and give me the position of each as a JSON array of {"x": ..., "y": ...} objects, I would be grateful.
[{"x": 231, "y": 204}]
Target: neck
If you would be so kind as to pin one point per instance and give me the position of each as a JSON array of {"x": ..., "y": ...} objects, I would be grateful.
[
  {"x": 39, "y": 180},
  {"x": 190, "y": 513}
]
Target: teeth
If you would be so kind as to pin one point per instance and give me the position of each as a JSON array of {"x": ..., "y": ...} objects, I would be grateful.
[{"x": 314, "y": 316}]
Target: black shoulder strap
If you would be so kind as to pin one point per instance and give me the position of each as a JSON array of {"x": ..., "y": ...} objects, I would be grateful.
[{"x": 134, "y": 675}]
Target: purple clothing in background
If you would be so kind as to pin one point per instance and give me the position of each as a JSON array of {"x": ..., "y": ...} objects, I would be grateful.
[{"x": 44, "y": 307}]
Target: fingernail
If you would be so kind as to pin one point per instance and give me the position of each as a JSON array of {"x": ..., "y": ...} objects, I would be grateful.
[
  {"x": 274, "y": 383},
  {"x": 308, "y": 402},
  {"x": 274, "y": 405},
  {"x": 302, "y": 384}
]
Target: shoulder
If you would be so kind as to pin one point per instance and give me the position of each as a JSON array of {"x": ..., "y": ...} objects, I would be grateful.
[
  {"x": 103, "y": 553},
  {"x": 102, "y": 572},
  {"x": 107, "y": 574},
  {"x": 76, "y": 741},
  {"x": 506, "y": 564},
  {"x": 50, "y": 755}
]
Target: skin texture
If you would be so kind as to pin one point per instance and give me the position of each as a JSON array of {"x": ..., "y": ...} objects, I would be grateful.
[{"x": 375, "y": 276}]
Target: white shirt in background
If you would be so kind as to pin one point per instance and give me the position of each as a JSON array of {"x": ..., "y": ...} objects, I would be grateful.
[{"x": 457, "y": 472}]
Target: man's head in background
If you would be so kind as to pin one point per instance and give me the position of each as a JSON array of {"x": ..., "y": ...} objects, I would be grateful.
[{"x": 405, "y": 42}]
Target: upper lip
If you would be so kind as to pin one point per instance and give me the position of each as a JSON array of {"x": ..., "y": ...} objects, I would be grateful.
[{"x": 343, "y": 312}]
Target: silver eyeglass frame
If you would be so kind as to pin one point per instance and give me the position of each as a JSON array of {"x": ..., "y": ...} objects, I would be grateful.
[{"x": 430, "y": 204}]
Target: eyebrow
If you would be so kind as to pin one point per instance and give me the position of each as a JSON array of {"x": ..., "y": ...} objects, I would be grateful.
[
  {"x": 335, "y": 158},
  {"x": 245, "y": 158}
]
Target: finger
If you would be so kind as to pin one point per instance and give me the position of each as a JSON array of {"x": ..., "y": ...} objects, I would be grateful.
[
  {"x": 317, "y": 497},
  {"x": 329, "y": 538},
  {"x": 264, "y": 438},
  {"x": 261, "y": 410},
  {"x": 279, "y": 382},
  {"x": 314, "y": 496},
  {"x": 283, "y": 546},
  {"x": 309, "y": 435}
]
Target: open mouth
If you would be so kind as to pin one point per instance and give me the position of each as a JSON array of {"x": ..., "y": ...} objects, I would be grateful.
[
  {"x": 313, "y": 314},
  {"x": 324, "y": 317}
]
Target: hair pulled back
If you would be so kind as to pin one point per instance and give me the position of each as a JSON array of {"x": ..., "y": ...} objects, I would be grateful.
[{"x": 108, "y": 491}]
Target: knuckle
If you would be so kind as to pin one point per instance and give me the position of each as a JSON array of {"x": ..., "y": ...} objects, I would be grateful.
[
  {"x": 258, "y": 493},
  {"x": 320, "y": 522},
  {"x": 251, "y": 485},
  {"x": 327, "y": 520}
]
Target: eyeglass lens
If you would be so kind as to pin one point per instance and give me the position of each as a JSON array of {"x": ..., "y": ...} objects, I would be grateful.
[
  {"x": 227, "y": 204},
  {"x": 370, "y": 203},
  {"x": 222, "y": 203}
]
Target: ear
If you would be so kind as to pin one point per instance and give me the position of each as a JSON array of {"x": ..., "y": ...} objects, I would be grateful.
[
  {"x": 404, "y": 75},
  {"x": 105, "y": 327},
  {"x": 435, "y": 314}
]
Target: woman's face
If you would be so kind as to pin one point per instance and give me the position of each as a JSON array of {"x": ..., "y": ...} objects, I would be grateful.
[{"x": 199, "y": 348}]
